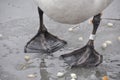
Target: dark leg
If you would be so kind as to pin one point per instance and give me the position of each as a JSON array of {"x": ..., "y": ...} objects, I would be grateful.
[
  {"x": 43, "y": 41},
  {"x": 86, "y": 56}
]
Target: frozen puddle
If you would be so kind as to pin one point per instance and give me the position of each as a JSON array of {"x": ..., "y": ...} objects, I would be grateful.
[
  {"x": 47, "y": 67},
  {"x": 43, "y": 67}
]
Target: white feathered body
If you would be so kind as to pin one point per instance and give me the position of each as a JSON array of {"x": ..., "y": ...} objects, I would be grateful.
[{"x": 72, "y": 11}]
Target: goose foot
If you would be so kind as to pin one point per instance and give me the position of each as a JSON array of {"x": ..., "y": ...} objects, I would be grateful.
[
  {"x": 44, "y": 43},
  {"x": 84, "y": 57}
]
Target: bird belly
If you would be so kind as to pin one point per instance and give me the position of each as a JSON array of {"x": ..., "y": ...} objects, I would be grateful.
[{"x": 72, "y": 11}]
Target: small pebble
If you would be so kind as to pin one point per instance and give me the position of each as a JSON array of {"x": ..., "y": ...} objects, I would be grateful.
[
  {"x": 1, "y": 35},
  {"x": 73, "y": 75},
  {"x": 31, "y": 76},
  {"x": 27, "y": 58},
  {"x": 104, "y": 45},
  {"x": 60, "y": 74},
  {"x": 90, "y": 21},
  {"x": 110, "y": 24},
  {"x": 105, "y": 78},
  {"x": 73, "y": 79},
  {"x": 70, "y": 29},
  {"x": 80, "y": 38},
  {"x": 93, "y": 77},
  {"x": 108, "y": 42},
  {"x": 119, "y": 38}
]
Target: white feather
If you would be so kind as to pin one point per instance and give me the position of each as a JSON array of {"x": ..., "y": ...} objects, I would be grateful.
[{"x": 72, "y": 11}]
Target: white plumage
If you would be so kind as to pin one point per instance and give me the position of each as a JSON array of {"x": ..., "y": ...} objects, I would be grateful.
[{"x": 72, "y": 11}]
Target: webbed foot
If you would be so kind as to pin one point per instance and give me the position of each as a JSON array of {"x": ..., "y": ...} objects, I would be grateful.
[
  {"x": 84, "y": 57},
  {"x": 44, "y": 43}
]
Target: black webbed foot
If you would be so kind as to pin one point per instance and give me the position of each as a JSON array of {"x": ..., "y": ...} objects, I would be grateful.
[
  {"x": 84, "y": 57},
  {"x": 44, "y": 43}
]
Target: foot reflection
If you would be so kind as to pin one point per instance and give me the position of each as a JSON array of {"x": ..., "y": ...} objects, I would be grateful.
[{"x": 43, "y": 71}]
